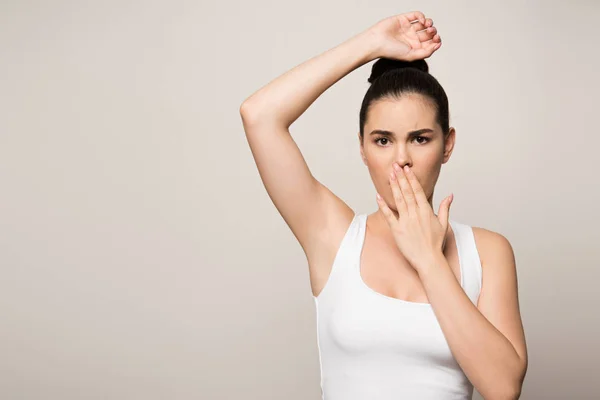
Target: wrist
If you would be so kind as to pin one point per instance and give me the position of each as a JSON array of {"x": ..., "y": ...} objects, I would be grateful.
[
  {"x": 434, "y": 261},
  {"x": 371, "y": 43}
]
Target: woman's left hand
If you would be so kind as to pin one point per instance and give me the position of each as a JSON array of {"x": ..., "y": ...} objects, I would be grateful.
[
  {"x": 418, "y": 232},
  {"x": 407, "y": 37}
]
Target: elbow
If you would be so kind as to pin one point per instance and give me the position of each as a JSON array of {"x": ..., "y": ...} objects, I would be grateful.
[
  {"x": 514, "y": 393},
  {"x": 510, "y": 387},
  {"x": 514, "y": 386},
  {"x": 254, "y": 114},
  {"x": 504, "y": 391},
  {"x": 249, "y": 113},
  {"x": 518, "y": 384},
  {"x": 511, "y": 391},
  {"x": 245, "y": 108}
]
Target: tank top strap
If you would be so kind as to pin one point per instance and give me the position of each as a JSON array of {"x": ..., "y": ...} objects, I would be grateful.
[
  {"x": 356, "y": 235},
  {"x": 350, "y": 248},
  {"x": 470, "y": 264}
]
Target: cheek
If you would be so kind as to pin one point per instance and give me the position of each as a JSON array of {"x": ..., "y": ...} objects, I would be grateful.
[
  {"x": 384, "y": 178},
  {"x": 379, "y": 171}
]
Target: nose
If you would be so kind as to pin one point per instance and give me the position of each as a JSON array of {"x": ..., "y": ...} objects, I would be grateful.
[
  {"x": 402, "y": 163},
  {"x": 402, "y": 156}
]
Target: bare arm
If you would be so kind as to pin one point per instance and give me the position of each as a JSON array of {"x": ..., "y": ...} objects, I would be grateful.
[
  {"x": 487, "y": 340},
  {"x": 308, "y": 207},
  {"x": 287, "y": 97}
]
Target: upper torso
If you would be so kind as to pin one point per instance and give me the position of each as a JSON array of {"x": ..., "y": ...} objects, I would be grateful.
[
  {"x": 378, "y": 335},
  {"x": 383, "y": 268}
]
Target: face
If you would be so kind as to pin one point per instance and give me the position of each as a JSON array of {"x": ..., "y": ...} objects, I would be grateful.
[{"x": 423, "y": 151}]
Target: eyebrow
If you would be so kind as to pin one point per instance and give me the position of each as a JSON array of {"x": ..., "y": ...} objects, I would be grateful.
[{"x": 410, "y": 134}]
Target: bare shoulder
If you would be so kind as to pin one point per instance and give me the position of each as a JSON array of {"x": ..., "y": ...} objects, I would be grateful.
[{"x": 491, "y": 245}]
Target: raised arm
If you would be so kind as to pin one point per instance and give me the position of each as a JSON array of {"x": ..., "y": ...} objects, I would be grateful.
[{"x": 309, "y": 208}]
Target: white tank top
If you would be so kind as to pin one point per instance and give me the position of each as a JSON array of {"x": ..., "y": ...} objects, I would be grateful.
[{"x": 376, "y": 347}]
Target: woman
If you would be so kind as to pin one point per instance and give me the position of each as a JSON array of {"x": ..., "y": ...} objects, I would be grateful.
[{"x": 410, "y": 304}]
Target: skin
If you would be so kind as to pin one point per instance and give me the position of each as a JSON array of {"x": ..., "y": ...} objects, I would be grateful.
[
  {"x": 425, "y": 153},
  {"x": 487, "y": 340}
]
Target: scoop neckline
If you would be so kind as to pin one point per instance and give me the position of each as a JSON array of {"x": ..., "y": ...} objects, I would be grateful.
[{"x": 363, "y": 226}]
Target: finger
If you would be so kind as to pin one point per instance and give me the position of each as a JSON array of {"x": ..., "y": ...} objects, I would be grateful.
[
  {"x": 432, "y": 44},
  {"x": 444, "y": 211},
  {"x": 427, "y": 49},
  {"x": 397, "y": 193},
  {"x": 435, "y": 40},
  {"x": 407, "y": 191},
  {"x": 422, "y": 26},
  {"x": 427, "y": 34},
  {"x": 415, "y": 15},
  {"x": 418, "y": 26},
  {"x": 389, "y": 214},
  {"x": 420, "y": 197}
]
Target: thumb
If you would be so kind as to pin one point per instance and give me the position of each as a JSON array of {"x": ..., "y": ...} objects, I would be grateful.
[{"x": 444, "y": 210}]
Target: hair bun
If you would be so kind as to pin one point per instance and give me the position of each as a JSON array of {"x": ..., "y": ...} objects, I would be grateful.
[{"x": 384, "y": 65}]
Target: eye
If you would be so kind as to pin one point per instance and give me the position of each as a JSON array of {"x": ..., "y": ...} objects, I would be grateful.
[
  {"x": 425, "y": 140},
  {"x": 377, "y": 140}
]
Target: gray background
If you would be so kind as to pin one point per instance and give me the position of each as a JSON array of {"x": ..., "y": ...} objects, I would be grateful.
[{"x": 141, "y": 257}]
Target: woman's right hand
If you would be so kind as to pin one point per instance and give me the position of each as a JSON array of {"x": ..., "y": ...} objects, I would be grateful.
[{"x": 406, "y": 37}]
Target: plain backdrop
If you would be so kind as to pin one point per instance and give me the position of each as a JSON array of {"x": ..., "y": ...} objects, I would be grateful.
[{"x": 141, "y": 257}]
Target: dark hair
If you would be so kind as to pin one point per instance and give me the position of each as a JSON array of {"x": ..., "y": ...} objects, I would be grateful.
[{"x": 392, "y": 78}]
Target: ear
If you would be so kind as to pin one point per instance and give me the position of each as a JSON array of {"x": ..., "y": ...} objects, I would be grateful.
[
  {"x": 449, "y": 145},
  {"x": 362, "y": 149}
]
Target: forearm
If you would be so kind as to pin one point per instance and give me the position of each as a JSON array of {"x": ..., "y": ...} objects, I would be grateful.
[
  {"x": 285, "y": 98},
  {"x": 485, "y": 355}
]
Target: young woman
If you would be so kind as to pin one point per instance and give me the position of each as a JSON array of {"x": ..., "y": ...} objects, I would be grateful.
[{"x": 410, "y": 304}]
